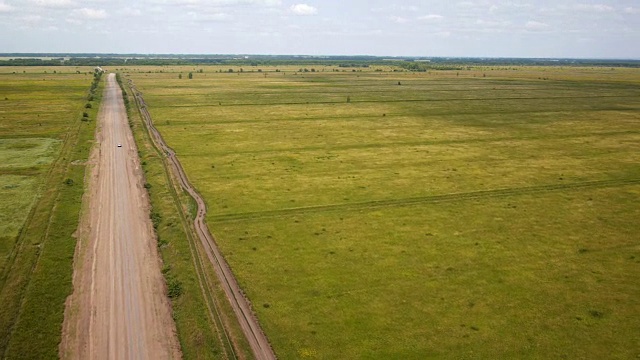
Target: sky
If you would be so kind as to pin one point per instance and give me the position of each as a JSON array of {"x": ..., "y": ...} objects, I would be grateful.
[{"x": 473, "y": 28}]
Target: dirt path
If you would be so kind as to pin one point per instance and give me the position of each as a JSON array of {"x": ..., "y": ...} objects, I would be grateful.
[
  {"x": 119, "y": 308},
  {"x": 253, "y": 332}
]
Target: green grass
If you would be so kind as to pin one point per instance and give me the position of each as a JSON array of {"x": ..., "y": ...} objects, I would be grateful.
[
  {"x": 16, "y": 199},
  {"x": 451, "y": 216},
  {"x": 43, "y": 155},
  {"x": 27, "y": 152}
]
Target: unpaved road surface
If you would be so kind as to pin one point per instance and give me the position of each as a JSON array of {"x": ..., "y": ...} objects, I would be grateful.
[
  {"x": 254, "y": 334},
  {"x": 119, "y": 308}
]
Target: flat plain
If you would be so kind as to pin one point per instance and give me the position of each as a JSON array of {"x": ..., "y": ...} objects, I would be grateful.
[
  {"x": 473, "y": 213},
  {"x": 43, "y": 146}
]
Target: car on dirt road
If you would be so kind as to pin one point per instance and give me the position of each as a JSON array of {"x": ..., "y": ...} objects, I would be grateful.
[{"x": 119, "y": 145}]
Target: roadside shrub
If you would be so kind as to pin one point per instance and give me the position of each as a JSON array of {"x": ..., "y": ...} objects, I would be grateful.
[
  {"x": 68, "y": 182},
  {"x": 175, "y": 288},
  {"x": 88, "y": 106},
  {"x": 155, "y": 219}
]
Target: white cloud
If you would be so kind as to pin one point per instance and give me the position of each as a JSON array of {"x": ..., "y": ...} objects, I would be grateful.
[
  {"x": 303, "y": 9},
  {"x": 409, "y": 8},
  {"x": 431, "y": 17},
  {"x": 128, "y": 11},
  {"x": 5, "y": 8},
  {"x": 399, "y": 19},
  {"x": 466, "y": 4},
  {"x": 395, "y": 8},
  {"x": 215, "y": 17},
  {"x": 92, "y": 14},
  {"x": 32, "y": 18},
  {"x": 631, "y": 10},
  {"x": 218, "y": 2},
  {"x": 54, "y": 3},
  {"x": 594, "y": 7},
  {"x": 536, "y": 26}
]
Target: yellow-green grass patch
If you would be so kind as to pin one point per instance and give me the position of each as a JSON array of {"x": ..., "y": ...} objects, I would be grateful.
[
  {"x": 27, "y": 152},
  {"x": 403, "y": 215}
]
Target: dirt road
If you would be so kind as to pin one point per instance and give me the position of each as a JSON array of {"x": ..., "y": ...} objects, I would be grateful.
[
  {"x": 241, "y": 306},
  {"x": 119, "y": 308}
]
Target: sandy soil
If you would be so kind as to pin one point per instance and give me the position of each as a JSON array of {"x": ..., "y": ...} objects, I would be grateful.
[{"x": 119, "y": 308}]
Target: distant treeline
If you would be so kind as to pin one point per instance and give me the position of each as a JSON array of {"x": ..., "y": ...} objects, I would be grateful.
[{"x": 408, "y": 63}]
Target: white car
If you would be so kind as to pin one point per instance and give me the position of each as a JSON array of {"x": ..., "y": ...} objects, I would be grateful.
[{"x": 119, "y": 145}]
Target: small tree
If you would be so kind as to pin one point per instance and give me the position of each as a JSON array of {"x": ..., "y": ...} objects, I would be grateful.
[
  {"x": 179, "y": 76},
  {"x": 190, "y": 75}
]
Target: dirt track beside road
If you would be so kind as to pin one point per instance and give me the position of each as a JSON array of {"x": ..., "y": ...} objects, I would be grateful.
[
  {"x": 254, "y": 334},
  {"x": 119, "y": 308}
]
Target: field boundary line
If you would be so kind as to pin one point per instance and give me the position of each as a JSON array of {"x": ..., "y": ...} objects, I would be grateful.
[
  {"x": 242, "y": 307},
  {"x": 430, "y": 199}
]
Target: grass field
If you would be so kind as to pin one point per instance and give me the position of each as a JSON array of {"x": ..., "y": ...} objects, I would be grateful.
[
  {"x": 482, "y": 213},
  {"x": 43, "y": 146},
  {"x": 30, "y": 138}
]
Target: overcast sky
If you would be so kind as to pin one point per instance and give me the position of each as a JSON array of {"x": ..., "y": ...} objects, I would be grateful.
[{"x": 491, "y": 28}]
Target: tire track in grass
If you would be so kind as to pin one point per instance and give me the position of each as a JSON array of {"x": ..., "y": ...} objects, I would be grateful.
[
  {"x": 431, "y": 199},
  {"x": 248, "y": 322}
]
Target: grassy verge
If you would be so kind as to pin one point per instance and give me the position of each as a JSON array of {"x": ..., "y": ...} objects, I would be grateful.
[
  {"x": 38, "y": 277},
  {"x": 205, "y": 322}
]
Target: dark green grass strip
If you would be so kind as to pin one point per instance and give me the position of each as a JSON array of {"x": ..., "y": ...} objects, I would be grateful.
[
  {"x": 29, "y": 171},
  {"x": 362, "y": 89},
  {"x": 334, "y": 148},
  {"x": 390, "y": 115},
  {"x": 401, "y": 101},
  {"x": 431, "y": 199}
]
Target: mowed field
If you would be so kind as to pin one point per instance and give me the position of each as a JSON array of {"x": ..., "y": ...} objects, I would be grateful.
[{"x": 480, "y": 213}]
